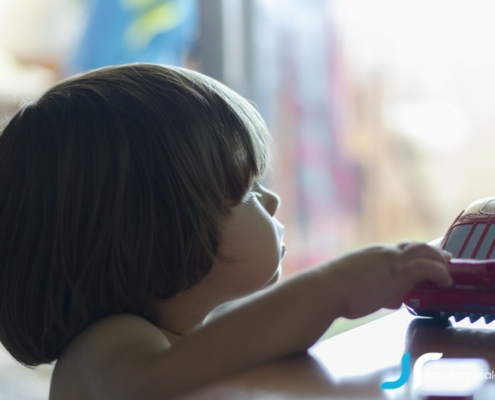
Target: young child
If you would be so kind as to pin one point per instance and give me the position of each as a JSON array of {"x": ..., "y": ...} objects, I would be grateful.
[{"x": 130, "y": 208}]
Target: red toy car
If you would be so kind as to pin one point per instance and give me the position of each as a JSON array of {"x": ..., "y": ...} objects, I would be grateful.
[{"x": 471, "y": 240}]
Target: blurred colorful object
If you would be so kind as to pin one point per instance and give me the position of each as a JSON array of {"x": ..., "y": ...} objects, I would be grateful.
[{"x": 124, "y": 31}]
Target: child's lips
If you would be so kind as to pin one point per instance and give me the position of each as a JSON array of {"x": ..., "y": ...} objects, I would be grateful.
[
  {"x": 280, "y": 231},
  {"x": 275, "y": 278}
]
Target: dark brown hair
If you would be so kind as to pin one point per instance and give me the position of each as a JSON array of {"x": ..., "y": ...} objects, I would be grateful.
[{"x": 113, "y": 189}]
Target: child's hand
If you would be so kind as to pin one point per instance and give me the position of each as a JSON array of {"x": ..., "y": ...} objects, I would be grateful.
[{"x": 379, "y": 276}]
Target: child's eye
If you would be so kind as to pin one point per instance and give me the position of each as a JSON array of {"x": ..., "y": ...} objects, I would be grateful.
[
  {"x": 254, "y": 191},
  {"x": 257, "y": 189}
]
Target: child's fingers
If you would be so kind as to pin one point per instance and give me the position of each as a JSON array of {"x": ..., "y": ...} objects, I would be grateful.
[
  {"x": 414, "y": 250},
  {"x": 419, "y": 269},
  {"x": 403, "y": 245}
]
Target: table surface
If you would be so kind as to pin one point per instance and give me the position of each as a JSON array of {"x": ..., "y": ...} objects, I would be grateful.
[
  {"x": 355, "y": 363},
  {"x": 351, "y": 365}
]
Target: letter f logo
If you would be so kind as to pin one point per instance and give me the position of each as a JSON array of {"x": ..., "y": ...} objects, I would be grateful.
[{"x": 406, "y": 371}]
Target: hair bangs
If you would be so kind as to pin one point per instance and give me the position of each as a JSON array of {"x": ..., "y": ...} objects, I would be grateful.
[{"x": 245, "y": 155}]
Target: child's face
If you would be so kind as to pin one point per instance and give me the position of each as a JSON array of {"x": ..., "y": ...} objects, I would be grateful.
[{"x": 251, "y": 242}]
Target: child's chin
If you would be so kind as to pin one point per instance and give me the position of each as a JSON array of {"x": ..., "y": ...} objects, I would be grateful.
[{"x": 275, "y": 278}]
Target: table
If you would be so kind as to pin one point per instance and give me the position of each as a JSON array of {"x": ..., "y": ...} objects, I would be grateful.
[{"x": 354, "y": 364}]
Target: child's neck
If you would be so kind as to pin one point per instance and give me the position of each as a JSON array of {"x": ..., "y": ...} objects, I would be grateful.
[
  {"x": 188, "y": 310},
  {"x": 182, "y": 313}
]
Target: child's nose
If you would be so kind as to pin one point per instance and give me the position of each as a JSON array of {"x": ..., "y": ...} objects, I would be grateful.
[{"x": 270, "y": 200}]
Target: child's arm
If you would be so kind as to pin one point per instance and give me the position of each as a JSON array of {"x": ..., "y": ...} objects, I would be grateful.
[{"x": 286, "y": 319}]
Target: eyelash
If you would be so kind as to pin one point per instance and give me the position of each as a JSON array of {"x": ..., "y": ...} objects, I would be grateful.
[{"x": 254, "y": 191}]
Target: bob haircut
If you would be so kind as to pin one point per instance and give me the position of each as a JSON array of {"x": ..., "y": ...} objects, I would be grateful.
[{"x": 113, "y": 189}]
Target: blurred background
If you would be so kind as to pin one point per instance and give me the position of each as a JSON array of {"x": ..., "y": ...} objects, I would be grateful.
[{"x": 380, "y": 111}]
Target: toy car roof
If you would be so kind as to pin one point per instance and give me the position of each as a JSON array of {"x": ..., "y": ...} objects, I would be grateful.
[{"x": 472, "y": 234}]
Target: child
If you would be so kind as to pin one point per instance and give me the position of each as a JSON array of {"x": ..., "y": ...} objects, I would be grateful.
[{"x": 131, "y": 207}]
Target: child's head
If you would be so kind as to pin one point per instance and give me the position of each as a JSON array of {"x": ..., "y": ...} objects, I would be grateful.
[{"x": 113, "y": 189}]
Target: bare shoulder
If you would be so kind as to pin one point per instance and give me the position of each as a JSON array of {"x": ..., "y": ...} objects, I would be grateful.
[{"x": 104, "y": 355}]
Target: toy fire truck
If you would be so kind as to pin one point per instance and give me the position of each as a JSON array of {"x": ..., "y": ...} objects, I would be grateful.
[{"x": 471, "y": 240}]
